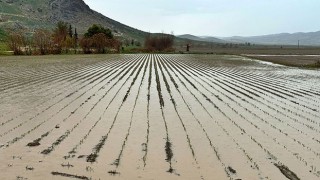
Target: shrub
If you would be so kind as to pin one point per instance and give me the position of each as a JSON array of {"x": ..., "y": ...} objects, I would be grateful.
[
  {"x": 86, "y": 44},
  {"x": 16, "y": 42},
  {"x": 97, "y": 29},
  {"x": 162, "y": 42}
]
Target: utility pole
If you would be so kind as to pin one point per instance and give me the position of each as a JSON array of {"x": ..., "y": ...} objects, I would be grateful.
[{"x": 298, "y": 44}]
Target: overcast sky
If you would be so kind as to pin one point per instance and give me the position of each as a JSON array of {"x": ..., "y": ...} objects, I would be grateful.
[{"x": 214, "y": 17}]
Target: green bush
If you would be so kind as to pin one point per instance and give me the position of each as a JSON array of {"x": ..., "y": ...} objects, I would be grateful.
[{"x": 97, "y": 29}]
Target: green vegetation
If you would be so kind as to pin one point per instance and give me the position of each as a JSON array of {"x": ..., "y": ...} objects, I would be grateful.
[
  {"x": 315, "y": 65},
  {"x": 97, "y": 29},
  {"x": 4, "y": 49},
  {"x": 99, "y": 40},
  {"x": 3, "y": 35},
  {"x": 3, "y": 45},
  {"x": 130, "y": 49},
  {"x": 62, "y": 39},
  {"x": 8, "y": 8},
  {"x": 14, "y": 8},
  {"x": 41, "y": 41}
]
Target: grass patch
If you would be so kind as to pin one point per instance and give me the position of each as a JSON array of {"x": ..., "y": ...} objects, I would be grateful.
[
  {"x": 316, "y": 65},
  {"x": 3, "y": 45},
  {"x": 130, "y": 49},
  {"x": 4, "y": 50}
]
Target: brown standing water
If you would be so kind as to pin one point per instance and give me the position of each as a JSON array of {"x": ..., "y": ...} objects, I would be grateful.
[{"x": 157, "y": 117}]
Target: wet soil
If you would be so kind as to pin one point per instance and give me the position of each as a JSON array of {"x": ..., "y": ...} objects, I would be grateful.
[{"x": 156, "y": 116}]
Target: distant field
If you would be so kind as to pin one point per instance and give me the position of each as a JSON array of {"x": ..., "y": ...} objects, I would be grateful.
[
  {"x": 146, "y": 116},
  {"x": 274, "y": 50},
  {"x": 290, "y": 56},
  {"x": 312, "y": 61}
]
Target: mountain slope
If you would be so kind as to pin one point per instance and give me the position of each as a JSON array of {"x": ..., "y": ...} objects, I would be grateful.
[
  {"x": 204, "y": 39},
  {"x": 311, "y": 38},
  {"x": 33, "y": 14}
]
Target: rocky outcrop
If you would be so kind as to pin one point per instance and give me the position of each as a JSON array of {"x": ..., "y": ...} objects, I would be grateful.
[
  {"x": 67, "y": 10},
  {"x": 76, "y": 12}
]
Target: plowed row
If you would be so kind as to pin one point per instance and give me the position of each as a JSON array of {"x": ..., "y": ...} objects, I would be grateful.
[{"x": 158, "y": 117}]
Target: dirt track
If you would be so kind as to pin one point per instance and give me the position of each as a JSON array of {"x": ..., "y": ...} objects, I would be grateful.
[{"x": 158, "y": 117}]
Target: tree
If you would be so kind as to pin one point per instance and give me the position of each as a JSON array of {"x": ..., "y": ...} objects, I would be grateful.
[
  {"x": 75, "y": 39},
  {"x": 137, "y": 43},
  {"x": 59, "y": 35},
  {"x": 96, "y": 29},
  {"x": 86, "y": 44},
  {"x": 188, "y": 47},
  {"x": 162, "y": 42},
  {"x": 99, "y": 42},
  {"x": 98, "y": 39},
  {"x": 70, "y": 32},
  {"x": 16, "y": 42},
  {"x": 75, "y": 34},
  {"x": 126, "y": 42},
  {"x": 147, "y": 41},
  {"x": 42, "y": 41},
  {"x": 116, "y": 44},
  {"x": 69, "y": 43}
]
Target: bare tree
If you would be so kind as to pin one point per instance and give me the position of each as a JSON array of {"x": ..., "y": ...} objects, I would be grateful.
[
  {"x": 16, "y": 42},
  {"x": 86, "y": 44},
  {"x": 42, "y": 41},
  {"x": 60, "y": 34},
  {"x": 162, "y": 42},
  {"x": 99, "y": 42},
  {"x": 69, "y": 43}
]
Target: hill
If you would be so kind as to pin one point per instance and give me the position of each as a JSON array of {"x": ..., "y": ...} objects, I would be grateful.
[
  {"x": 307, "y": 39},
  {"x": 203, "y": 39},
  {"x": 31, "y": 14}
]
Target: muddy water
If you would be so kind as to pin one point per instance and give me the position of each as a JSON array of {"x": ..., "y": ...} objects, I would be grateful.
[{"x": 157, "y": 117}]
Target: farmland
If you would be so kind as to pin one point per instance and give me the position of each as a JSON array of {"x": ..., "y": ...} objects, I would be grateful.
[{"x": 146, "y": 116}]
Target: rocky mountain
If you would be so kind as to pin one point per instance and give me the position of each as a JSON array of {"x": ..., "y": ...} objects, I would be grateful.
[{"x": 31, "y": 14}]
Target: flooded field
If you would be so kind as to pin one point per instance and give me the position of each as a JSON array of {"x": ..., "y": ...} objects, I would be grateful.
[{"x": 157, "y": 117}]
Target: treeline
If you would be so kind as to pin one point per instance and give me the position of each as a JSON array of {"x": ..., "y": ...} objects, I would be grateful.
[
  {"x": 161, "y": 42},
  {"x": 62, "y": 39}
]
